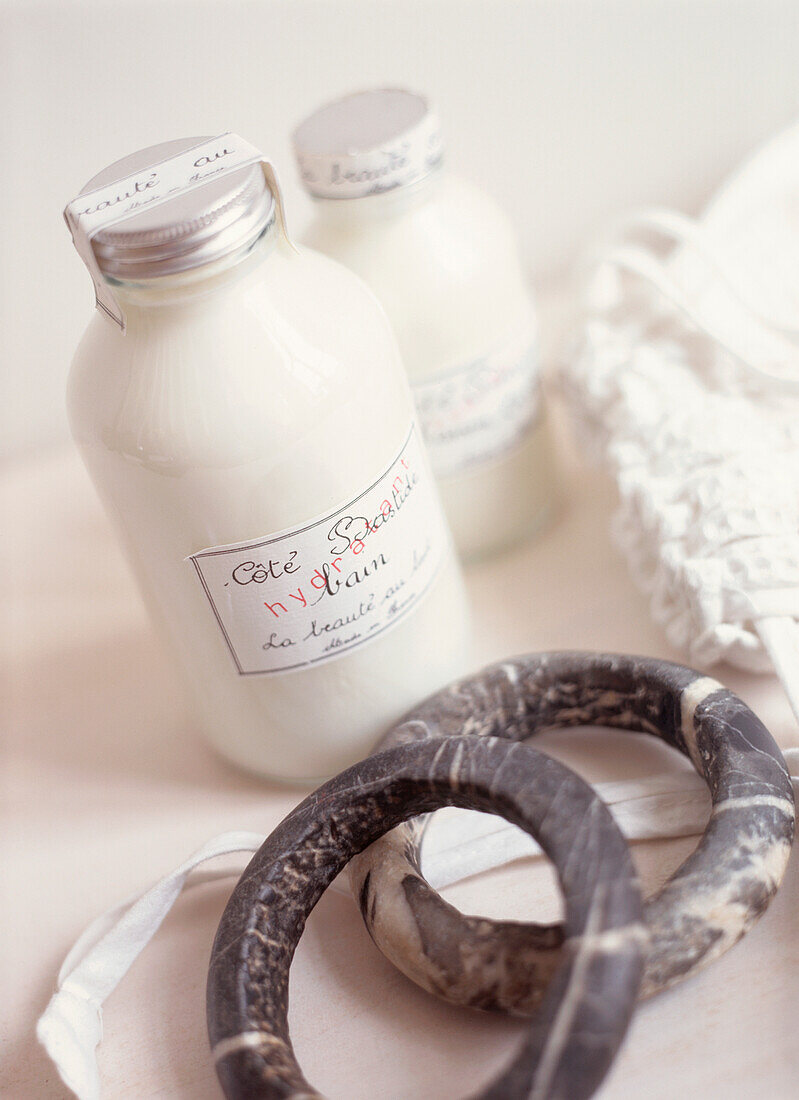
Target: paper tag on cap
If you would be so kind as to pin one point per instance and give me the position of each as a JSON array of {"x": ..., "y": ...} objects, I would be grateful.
[
  {"x": 401, "y": 160},
  {"x": 151, "y": 186}
]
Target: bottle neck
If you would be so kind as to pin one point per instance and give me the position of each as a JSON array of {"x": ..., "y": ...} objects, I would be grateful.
[
  {"x": 189, "y": 286},
  {"x": 382, "y": 206}
]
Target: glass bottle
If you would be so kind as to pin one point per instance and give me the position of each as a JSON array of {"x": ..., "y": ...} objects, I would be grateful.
[
  {"x": 251, "y": 434},
  {"x": 443, "y": 260}
]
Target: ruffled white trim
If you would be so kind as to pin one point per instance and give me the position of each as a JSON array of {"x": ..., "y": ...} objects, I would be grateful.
[{"x": 703, "y": 446}]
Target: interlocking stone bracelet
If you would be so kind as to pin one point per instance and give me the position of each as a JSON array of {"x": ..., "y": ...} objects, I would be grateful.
[
  {"x": 703, "y": 909},
  {"x": 582, "y": 1018}
]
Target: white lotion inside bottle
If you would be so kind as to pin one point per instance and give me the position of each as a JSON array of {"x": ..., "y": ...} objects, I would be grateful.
[
  {"x": 443, "y": 260},
  {"x": 237, "y": 407}
]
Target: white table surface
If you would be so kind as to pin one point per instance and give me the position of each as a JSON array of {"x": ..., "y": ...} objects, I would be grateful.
[{"x": 105, "y": 786}]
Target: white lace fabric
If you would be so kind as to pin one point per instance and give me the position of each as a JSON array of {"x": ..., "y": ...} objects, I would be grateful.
[
  {"x": 708, "y": 514},
  {"x": 686, "y": 385}
]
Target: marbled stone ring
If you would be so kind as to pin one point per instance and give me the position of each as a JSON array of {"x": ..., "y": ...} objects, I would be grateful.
[
  {"x": 584, "y": 1014},
  {"x": 704, "y": 908}
]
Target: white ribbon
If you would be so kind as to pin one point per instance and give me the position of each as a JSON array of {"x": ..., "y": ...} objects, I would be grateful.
[
  {"x": 72, "y": 1024},
  {"x": 457, "y": 845}
]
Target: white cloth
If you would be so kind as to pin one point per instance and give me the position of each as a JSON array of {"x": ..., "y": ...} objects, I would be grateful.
[
  {"x": 686, "y": 384},
  {"x": 457, "y": 844}
]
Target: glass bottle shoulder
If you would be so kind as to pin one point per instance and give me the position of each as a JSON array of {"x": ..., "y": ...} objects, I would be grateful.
[
  {"x": 443, "y": 261},
  {"x": 231, "y": 375}
]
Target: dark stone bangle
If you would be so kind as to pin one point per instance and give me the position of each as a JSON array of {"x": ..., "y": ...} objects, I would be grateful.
[
  {"x": 704, "y": 908},
  {"x": 585, "y": 1013}
]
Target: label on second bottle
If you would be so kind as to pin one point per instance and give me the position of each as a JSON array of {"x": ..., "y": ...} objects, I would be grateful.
[
  {"x": 326, "y": 587},
  {"x": 478, "y": 411}
]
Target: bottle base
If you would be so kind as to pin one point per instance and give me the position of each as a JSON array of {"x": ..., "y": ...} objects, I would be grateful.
[{"x": 500, "y": 505}]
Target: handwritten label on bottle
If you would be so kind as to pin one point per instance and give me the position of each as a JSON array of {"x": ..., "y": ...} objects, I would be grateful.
[
  {"x": 320, "y": 590},
  {"x": 396, "y": 161},
  {"x": 478, "y": 411}
]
